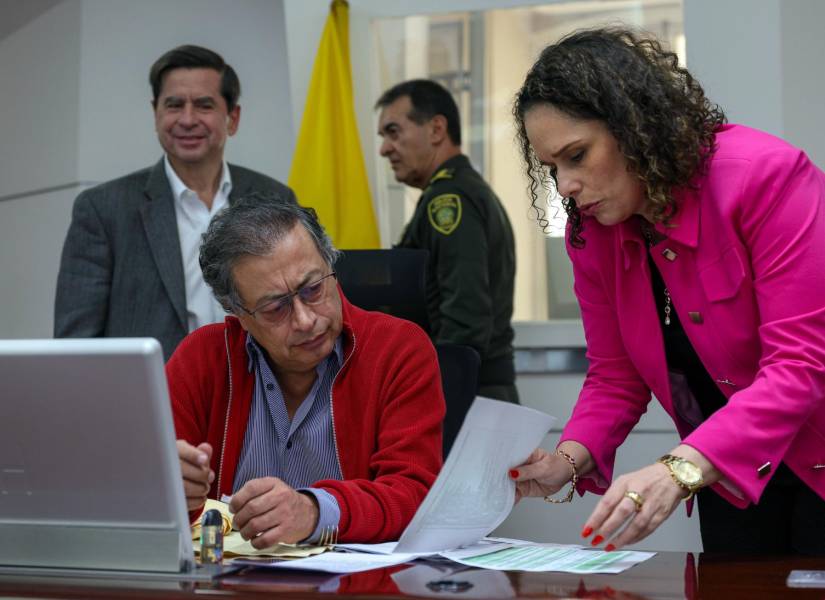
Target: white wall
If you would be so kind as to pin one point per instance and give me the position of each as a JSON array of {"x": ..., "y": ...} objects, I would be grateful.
[
  {"x": 734, "y": 50},
  {"x": 803, "y": 53},
  {"x": 762, "y": 63},
  {"x": 32, "y": 229},
  {"x": 39, "y": 67}
]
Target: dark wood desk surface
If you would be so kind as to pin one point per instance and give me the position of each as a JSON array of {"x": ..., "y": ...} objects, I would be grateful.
[{"x": 667, "y": 575}]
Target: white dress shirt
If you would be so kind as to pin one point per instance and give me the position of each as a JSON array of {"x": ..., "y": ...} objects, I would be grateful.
[{"x": 193, "y": 218}]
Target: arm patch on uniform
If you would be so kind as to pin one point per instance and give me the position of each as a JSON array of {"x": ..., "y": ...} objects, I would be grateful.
[{"x": 444, "y": 213}]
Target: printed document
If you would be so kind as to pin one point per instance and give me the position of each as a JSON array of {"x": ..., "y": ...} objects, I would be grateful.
[
  {"x": 553, "y": 557},
  {"x": 473, "y": 493}
]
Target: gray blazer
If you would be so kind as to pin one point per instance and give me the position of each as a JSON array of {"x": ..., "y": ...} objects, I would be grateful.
[{"x": 121, "y": 272}]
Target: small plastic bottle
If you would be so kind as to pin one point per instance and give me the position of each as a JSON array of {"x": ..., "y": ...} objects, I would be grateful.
[{"x": 211, "y": 538}]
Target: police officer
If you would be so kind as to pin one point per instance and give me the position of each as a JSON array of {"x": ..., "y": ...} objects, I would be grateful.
[{"x": 461, "y": 221}]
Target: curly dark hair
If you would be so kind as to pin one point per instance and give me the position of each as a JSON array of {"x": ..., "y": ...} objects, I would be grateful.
[{"x": 656, "y": 110}]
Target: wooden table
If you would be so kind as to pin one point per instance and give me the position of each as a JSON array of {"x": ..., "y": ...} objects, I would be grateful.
[{"x": 667, "y": 575}]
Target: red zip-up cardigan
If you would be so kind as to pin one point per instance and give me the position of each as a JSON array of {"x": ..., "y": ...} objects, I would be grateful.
[{"x": 387, "y": 413}]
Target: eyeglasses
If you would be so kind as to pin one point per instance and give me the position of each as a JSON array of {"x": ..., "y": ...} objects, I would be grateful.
[{"x": 278, "y": 310}]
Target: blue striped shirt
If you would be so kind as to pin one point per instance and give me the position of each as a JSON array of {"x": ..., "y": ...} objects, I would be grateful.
[{"x": 301, "y": 451}]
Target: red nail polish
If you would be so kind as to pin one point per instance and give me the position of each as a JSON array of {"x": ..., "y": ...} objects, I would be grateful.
[
  {"x": 597, "y": 540},
  {"x": 609, "y": 548},
  {"x": 587, "y": 531},
  {"x": 513, "y": 473}
]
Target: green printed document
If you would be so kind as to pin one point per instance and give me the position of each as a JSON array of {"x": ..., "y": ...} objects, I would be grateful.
[{"x": 552, "y": 557}]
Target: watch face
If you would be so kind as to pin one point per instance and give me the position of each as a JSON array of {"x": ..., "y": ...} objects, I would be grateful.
[{"x": 688, "y": 472}]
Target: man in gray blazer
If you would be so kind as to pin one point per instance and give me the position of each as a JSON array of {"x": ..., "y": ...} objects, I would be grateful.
[{"x": 129, "y": 265}]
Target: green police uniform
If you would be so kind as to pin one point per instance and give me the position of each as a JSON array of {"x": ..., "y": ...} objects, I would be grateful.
[{"x": 471, "y": 270}]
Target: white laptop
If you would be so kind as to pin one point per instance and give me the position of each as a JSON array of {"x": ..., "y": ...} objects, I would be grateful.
[{"x": 89, "y": 475}]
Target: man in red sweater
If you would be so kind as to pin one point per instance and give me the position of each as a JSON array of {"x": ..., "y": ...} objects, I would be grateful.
[{"x": 310, "y": 412}]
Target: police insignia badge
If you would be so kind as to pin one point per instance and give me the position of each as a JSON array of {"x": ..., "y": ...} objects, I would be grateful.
[{"x": 444, "y": 212}]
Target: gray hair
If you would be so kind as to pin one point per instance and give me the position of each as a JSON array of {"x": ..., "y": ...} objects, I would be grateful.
[{"x": 252, "y": 226}]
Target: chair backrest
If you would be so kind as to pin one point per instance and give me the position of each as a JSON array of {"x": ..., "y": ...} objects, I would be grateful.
[
  {"x": 459, "y": 378},
  {"x": 394, "y": 282},
  {"x": 391, "y": 281}
]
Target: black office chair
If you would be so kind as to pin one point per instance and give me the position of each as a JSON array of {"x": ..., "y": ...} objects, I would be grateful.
[
  {"x": 459, "y": 379},
  {"x": 394, "y": 282},
  {"x": 390, "y": 281}
]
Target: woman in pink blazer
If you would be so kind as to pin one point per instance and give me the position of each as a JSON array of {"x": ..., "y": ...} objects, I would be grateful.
[{"x": 698, "y": 251}]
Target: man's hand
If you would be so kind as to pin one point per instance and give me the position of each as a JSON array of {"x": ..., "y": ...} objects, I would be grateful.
[
  {"x": 267, "y": 511},
  {"x": 197, "y": 476}
]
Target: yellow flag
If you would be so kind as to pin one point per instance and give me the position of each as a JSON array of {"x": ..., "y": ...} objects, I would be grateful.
[{"x": 328, "y": 171}]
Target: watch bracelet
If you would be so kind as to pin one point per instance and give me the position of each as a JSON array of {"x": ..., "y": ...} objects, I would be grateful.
[{"x": 667, "y": 460}]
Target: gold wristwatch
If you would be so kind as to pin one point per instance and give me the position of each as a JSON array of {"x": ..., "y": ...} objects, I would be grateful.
[{"x": 686, "y": 474}]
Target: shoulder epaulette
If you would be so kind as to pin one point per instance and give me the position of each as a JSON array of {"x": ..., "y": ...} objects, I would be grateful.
[{"x": 442, "y": 174}]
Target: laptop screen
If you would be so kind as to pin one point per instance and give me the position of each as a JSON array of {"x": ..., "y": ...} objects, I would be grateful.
[{"x": 89, "y": 475}]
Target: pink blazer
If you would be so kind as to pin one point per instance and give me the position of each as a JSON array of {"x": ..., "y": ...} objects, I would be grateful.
[{"x": 746, "y": 273}]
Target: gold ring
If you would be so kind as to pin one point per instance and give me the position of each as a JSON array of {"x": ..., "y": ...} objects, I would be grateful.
[{"x": 636, "y": 498}]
